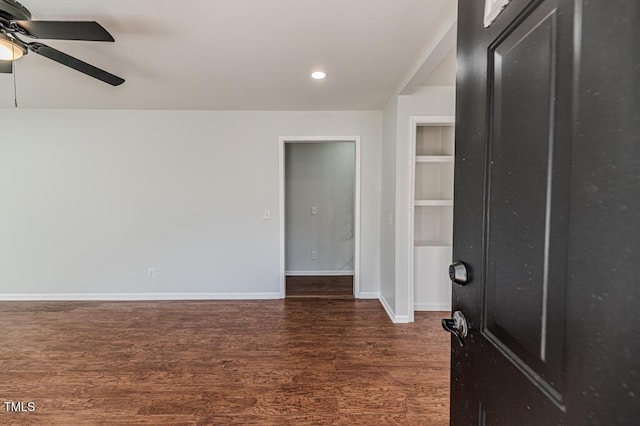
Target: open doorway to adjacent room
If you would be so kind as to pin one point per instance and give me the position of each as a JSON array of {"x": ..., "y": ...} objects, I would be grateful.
[{"x": 320, "y": 217}]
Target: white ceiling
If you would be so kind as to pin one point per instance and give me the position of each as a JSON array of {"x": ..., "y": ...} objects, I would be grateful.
[{"x": 233, "y": 54}]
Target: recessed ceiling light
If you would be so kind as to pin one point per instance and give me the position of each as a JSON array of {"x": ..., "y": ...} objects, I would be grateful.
[{"x": 318, "y": 75}]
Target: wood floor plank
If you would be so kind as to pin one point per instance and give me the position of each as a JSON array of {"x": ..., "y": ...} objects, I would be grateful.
[
  {"x": 312, "y": 361},
  {"x": 334, "y": 287}
]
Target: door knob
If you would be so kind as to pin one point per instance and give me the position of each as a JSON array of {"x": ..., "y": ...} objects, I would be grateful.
[
  {"x": 459, "y": 273},
  {"x": 456, "y": 326}
]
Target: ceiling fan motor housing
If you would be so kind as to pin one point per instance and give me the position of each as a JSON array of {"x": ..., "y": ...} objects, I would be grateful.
[{"x": 11, "y": 10}]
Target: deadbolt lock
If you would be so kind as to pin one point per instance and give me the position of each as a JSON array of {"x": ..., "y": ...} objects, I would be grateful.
[{"x": 459, "y": 273}]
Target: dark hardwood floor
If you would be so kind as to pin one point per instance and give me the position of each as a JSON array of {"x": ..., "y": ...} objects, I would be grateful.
[
  {"x": 332, "y": 287},
  {"x": 298, "y": 362}
]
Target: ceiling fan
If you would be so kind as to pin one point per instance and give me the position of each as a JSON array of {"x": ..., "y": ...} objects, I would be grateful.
[{"x": 16, "y": 23}]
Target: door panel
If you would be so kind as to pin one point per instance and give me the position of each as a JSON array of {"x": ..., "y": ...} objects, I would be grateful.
[
  {"x": 520, "y": 189},
  {"x": 547, "y": 194}
]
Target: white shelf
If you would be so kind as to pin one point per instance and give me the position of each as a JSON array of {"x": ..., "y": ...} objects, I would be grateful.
[
  {"x": 433, "y": 203},
  {"x": 434, "y": 158},
  {"x": 431, "y": 248},
  {"x": 435, "y": 140}
]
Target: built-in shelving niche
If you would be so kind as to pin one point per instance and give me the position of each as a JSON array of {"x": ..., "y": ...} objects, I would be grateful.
[{"x": 432, "y": 212}]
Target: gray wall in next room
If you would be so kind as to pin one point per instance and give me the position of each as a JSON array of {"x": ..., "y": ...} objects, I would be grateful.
[{"x": 320, "y": 176}]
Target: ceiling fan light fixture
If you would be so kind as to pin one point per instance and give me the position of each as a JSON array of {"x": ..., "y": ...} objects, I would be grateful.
[{"x": 9, "y": 49}]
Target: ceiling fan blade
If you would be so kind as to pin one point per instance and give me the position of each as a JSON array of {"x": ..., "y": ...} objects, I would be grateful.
[
  {"x": 76, "y": 64},
  {"x": 61, "y": 30},
  {"x": 6, "y": 67}
]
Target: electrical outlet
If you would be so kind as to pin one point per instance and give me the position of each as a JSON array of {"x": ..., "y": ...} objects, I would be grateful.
[
  {"x": 151, "y": 273},
  {"x": 314, "y": 210},
  {"x": 314, "y": 255},
  {"x": 267, "y": 214}
]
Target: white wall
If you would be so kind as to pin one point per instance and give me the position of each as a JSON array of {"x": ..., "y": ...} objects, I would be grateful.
[
  {"x": 320, "y": 175},
  {"x": 89, "y": 199},
  {"x": 445, "y": 73},
  {"x": 428, "y": 100},
  {"x": 396, "y": 157},
  {"x": 388, "y": 206}
]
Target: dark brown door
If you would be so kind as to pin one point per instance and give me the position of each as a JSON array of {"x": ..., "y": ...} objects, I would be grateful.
[{"x": 547, "y": 214}]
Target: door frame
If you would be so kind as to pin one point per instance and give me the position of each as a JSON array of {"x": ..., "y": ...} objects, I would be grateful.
[
  {"x": 281, "y": 176},
  {"x": 414, "y": 122}
]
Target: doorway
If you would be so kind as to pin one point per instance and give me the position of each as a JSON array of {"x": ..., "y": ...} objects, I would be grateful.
[{"x": 320, "y": 216}]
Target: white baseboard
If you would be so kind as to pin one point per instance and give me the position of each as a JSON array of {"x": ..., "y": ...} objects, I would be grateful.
[
  {"x": 369, "y": 295},
  {"x": 401, "y": 319},
  {"x": 432, "y": 306},
  {"x": 387, "y": 307},
  {"x": 396, "y": 319},
  {"x": 135, "y": 296},
  {"x": 318, "y": 273}
]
